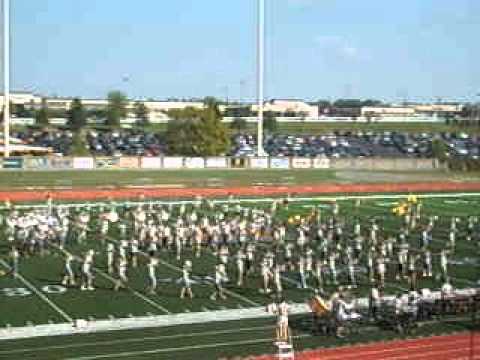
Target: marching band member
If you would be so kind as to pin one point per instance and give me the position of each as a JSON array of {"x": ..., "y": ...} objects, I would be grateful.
[
  {"x": 427, "y": 263},
  {"x": 152, "y": 267},
  {"x": 318, "y": 274},
  {"x": 110, "y": 257},
  {"x": 69, "y": 275},
  {"x": 332, "y": 258},
  {"x": 240, "y": 259},
  {"x": 444, "y": 263},
  {"x": 14, "y": 261},
  {"x": 186, "y": 282},
  {"x": 122, "y": 274},
  {"x": 277, "y": 278},
  {"x": 266, "y": 275},
  {"x": 87, "y": 282},
  {"x": 282, "y": 322},
  {"x": 220, "y": 279},
  {"x": 134, "y": 252}
]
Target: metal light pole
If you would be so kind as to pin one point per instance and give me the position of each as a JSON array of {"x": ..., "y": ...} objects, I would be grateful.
[
  {"x": 260, "y": 73},
  {"x": 6, "y": 77}
]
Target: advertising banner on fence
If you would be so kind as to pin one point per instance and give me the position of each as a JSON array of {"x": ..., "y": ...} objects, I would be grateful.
[
  {"x": 279, "y": 163},
  {"x": 83, "y": 163},
  {"x": 151, "y": 163},
  {"x": 216, "y": 162},
  {"x": 107, "y": 163},
  {"x": 129, "y": 162},
  {"x": 61, "y": 163},
  {"x": 173, "y": 162},
  {"x": 321, "y": 163},
  {"x": 195, "y": 163},
  {"x": 259, "y": 163},
  {"x": 301, "y": 163},
  {"x": 13, "y": 163},
  {"x": 36, "y": 163}
]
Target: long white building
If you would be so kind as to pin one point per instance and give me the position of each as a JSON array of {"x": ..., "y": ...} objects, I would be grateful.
[{"x": 283, "y": 109}]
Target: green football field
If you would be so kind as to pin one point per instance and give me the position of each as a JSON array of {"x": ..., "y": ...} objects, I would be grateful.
[{"x": 202, "y": 328}]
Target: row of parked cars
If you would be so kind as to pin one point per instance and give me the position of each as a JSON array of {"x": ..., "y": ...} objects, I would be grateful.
[
  {"x": 336, "y": 144},
  {"x": 358, "y": 144}
]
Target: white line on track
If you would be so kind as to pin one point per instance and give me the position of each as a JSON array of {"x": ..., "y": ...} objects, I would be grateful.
[
  {"x": 42, "y": 296},
  {"x": 108, "y": 277},
  {"x": 184, "y": 348},
  {"x": 131, "y": 341}
]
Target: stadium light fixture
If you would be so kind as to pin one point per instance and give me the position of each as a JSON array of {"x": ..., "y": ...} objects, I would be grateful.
[
  {"x": 260, "y": 73},
  {"x": 6, "y": 77}
]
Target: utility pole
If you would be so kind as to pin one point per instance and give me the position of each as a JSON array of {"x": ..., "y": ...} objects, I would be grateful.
[
  {"x": 260, "y": 73},
  {"x": 6, "y": 77}
]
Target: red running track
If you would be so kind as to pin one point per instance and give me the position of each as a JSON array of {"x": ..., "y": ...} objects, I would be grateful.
[
  {"x": 135, "y": 193},
  {"x": 450, "y": 347}
]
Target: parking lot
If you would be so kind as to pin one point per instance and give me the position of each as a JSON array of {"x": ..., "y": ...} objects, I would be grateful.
[{"x": 344, "y": 144}]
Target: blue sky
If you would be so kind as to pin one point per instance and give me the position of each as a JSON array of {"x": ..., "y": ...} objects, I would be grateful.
[{"x": 414, "y": 49}]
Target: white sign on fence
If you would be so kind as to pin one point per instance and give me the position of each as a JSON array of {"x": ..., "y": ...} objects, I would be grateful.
[
  {"x": 259, "y": 163},
  {"x": 301, "y": 163},
  {"x": 279, "y": 163},
  {"x": 83, "y": 163},
  {"x": 195, "y": 163},
  {"x": 151, "y": 163},
  {"x": 321, "y": 163},
  {"x": 216, "y": 162},
  {"x": 173, "y": 162}
]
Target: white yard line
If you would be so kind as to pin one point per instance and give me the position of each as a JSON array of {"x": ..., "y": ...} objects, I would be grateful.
[
  {"x": 132, "y": 341},
  {"x": 257, "y": 200},
  {"x": 42, "y": 296},
  {"x": 108, "y": 277},
  {"x": 184, "y": 348}
]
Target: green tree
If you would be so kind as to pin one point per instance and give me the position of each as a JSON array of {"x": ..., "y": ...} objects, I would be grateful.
[
  {"x": 238, "y": 124},
  {"x": 270, "y": 123},
  {"x": 210, "y": 102},
  {"x": 77, "y": 117},
  {"x": 79, "y": 145},
  {"x": 214, "y": 139},
  {"x": 41, "y": 115},
  {"x": 348, "y": 103},
  {"x": 116, "y": 108},
  {"x": 323, "y": 106},
  {"x": 97, "y": 114},
  {"x": 440, "y": 150},
  {"x": 181, "y": 130},
  {"x": 141, "y": 113},
  {"x": 23, "y": 112},
  {"x": 372, "y": 102},
  {"x": 197, "y": 132}
]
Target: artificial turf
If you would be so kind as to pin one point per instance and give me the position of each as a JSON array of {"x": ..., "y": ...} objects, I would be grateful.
[{"x": 103, "y": 303}]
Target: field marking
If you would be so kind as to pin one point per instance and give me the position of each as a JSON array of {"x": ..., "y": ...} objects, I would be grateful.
[
  {"x": 126, "y": 341},
  {"x": 177, "y": 269},
  {"x": 39, "y": 294},
  {"x": 255, "y": 200},
  {"x": 108, "y": 277},
  {"x": 184, "y": 348}
]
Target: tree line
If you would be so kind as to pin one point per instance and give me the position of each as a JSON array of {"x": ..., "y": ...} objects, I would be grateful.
[{"x": 77, "y": 114}]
